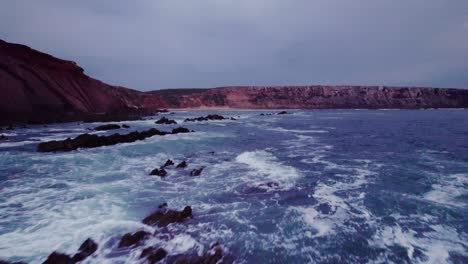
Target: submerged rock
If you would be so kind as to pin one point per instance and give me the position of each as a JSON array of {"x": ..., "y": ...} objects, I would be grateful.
[
  {"x": 165, "y": 121},
  {"x": 130, "y": 239},
  {"x": 3, "y": 137},
  {"x": 107, "y": 127},
  {"x": 159, "y": 172},
  {"x": 205, "y": 118},
  {"x": 163, "y": 218},
  {"x": 196, "y": 172},
  {"x": 283, "y": 113},
  {"x": 181, "y": 165},
  {"x": 153, "y": 254},
  {"x": 94, "y": 141},
  {"x": 125, "y": 126},
  {"x": 213, "y": 256}
]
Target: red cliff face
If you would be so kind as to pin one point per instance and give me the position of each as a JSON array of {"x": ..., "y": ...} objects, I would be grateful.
[
  {"x": 314, "y": 97},
  {"x": 35, "y": 86}
]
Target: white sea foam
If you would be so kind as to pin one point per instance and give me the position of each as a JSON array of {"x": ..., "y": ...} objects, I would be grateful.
[
  {"x": 448, "y": 190},
  {"x": 16, "y": 144},
  {"x": 9, "y": 134},
  {"x": 435, "y": 245},
  {"x": 306, "y": 131},
  {"x": 311, "y": 217},
  {"x": 266, "y": 166}
]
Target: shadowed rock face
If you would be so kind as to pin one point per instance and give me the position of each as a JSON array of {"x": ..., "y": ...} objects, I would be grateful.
[
  {"x": 314, "y": 97},
  {"x": 37, "y": 87}
]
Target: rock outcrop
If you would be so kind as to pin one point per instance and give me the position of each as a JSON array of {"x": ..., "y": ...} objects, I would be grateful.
[
  {"x": 164, "y": 217},
  {"x": 86, "y": 249},
  {"x": 94, "y": 141}
]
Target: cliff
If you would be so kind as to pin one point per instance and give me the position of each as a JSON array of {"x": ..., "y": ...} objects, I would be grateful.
[
  {"x": 37, "y": 87},
  {"x": 312, "y": 97}
]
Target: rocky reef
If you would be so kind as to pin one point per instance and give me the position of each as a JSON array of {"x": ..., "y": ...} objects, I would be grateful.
[{"x": 94, "y": 141}]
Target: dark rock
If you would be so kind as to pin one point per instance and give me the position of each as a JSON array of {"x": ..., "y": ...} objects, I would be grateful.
[
  {"x": 125, "y": 126},
  {"x": 3, "y": 137},
  {"x": 154, "y": 254},
  {"x": 130, "y": 239},
  {"x": 180, "y": 130},
  {"x": 163, "y": 205},
  {"x": 213, "y": 256},
  {"x": 163, "y": 218},
  {"x": 6, "y": 262},
  {"x": 324, "y": 208},
  {"x": 168, "y": 163},
  {"x": 283, "y": 113},
  {"x": 58, "y": 258},
  {"x": 165, "y": 121},
  {"x": 181, "y": 165},
  {"x": 196, "y": 172},
  {"x": 86, "y": 249},
  {"x": 232, "y": 118},
  {"x": 107, "y": 127},
  {"x": 93, "y": 141},
  {"x": 206, "y": 118},
  {"x": 159, "y": 172}
]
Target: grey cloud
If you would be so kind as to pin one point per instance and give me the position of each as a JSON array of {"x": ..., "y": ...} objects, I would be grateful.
[{"x": 149, "y": 44}]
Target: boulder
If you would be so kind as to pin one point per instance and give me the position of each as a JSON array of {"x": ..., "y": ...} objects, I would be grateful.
[
  {"x": 159, "y": 172},
  {"x": 213, "y": 256},
  {"x": 165, "y": 217},
  {"x": 168, "y": 163},
  {"x": 196, "y": 172},
  {"x": 180, "y": 130},
  {"x": 58, "y": 258},
  {"x": 181, "y": 165},
  {"x": 165, "y": 121},
  {"x": 283, "y": 113},
  {"x": 125, "y": 126},
  {"x": 3, "y": 137},
  {"x": 130, "y": 239},
  {"x": 86, "y": 249},
  {"x": 107, "y": 127},
  {"x": 153, "y": 254}
]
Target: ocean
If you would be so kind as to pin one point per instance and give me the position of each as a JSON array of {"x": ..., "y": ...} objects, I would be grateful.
[{"x": 311, "y": 186}]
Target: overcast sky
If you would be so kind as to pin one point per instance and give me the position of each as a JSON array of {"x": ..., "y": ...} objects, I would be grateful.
[{"x": 151, "y": 44}]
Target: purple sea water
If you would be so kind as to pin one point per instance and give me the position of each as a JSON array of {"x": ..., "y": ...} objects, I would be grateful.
[{"x": 319, "y": 186}]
